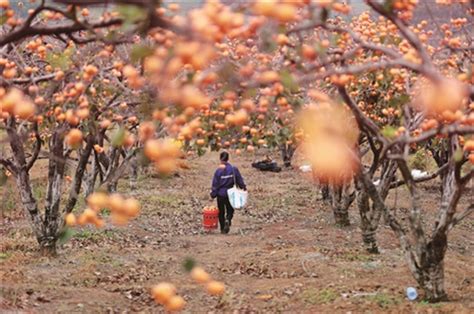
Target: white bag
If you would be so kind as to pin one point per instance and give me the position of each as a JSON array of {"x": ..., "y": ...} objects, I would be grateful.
[{"x": 237, "y": 197}]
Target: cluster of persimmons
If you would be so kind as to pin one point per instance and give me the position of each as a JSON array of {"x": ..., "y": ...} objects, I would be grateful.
[{"x": 121, "y": 210}]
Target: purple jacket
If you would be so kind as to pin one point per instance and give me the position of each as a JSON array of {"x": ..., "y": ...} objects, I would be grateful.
[{"x": 224, "y": 180}]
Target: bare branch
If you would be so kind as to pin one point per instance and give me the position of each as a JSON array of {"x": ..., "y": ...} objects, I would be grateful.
[
  {"x": 118, "y": 171},
  {"x": 376, "y": 154},
  {"x": 362, "y": 120},
  {"x": 339, "y": 58},
  {"x": 416, "y": 223},
  {"x": 9, "y": 165},
  {"x": 56, "y": 169},
  {"x": 34, "y": 80},
  {"x": 27, "y": 31},
  {"x": 466, "y": 178},
  {"x": 37, "y": 147},
  {"x": 460, "y": 216},
  {"x": 451, "y": 129},
  {"x": 364, "y": 44},
  {"x": 79, "y": 174},
  {"x": 420, "y": 179},
  {"x": 364, "y": 68}
]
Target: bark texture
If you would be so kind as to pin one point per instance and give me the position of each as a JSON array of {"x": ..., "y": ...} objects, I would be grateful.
[
  {"x": 287, "y": 152},
  {"x": 341, "y": 200}
]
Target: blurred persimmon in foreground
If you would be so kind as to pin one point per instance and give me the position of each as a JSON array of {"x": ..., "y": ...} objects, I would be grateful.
[
  {"x": 329, "y": 120},
  {"x": 15, "y": 102},
  {"x": 332, "y": 160},
  {"x": 122, "y": 210},
  {"x": 440, "y": 99},
  {"x": 330, "y": 134},
  {"x": 163, "y": 292},
  {"x": 74, "y": 137},
  {"x": 164, "y": 153}
]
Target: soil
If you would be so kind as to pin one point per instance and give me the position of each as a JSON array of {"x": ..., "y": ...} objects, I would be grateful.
[{"x": 283, "y": 254}]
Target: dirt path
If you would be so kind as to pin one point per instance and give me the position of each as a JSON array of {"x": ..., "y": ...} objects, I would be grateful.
[{"x": 282, "y": 255}]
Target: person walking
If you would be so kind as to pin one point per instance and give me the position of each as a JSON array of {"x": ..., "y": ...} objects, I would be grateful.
[{"x": 224, "y": 178}]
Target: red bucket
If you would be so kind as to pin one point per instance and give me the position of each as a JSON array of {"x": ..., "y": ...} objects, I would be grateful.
[{"x": 210, "y": 218}]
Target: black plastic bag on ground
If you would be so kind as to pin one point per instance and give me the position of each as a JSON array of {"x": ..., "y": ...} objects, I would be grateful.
[{"x": 266, "y": 165}]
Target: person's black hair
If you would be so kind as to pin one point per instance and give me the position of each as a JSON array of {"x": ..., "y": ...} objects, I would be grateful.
[{"x": 224, "y": 156}]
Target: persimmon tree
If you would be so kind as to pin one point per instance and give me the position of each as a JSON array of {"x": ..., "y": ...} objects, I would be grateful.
[
  {"x": 63, "y": 129},
  {"x": 62, "y": 95},
  {"x": 440, "y": 110}
]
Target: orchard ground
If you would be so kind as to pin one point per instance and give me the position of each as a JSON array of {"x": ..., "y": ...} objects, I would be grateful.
[{"x": 283, "y": 253}]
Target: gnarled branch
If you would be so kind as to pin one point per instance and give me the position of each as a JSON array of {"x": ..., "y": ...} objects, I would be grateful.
[{"x": 37, "y": 147}]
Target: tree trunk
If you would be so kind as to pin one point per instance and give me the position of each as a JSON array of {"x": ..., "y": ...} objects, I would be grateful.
[
  {"x": 367, "y": 225},
  {"x": 54, "y": 193},
  {"x": 341, "y": 200},
  {"x": 325, "y": 192},
  {"x": 341, "y": 216},
  {"x": 44, "y": 230},
  {"x": 133, "y": 173},
  {"x": 430, "y": 273},
  {"x": 371, "y": 211},
  {"x": 115, "y": 173},
  {"x": 92, "y": 177},
  {"x": 287, "y": 152},
  {"x": 48, "y": 246},
  {"x": 433, "y": 282},
  {"x": 29, "y": 203},
  {"x": 112, "y": 187},
  {"x": 23, "y": 183},
  {"x": 431, "y": 277},
  {"x": 370, "y": 241}
]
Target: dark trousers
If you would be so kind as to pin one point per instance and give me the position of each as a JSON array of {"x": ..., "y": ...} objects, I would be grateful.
[{"x": 223, "y": 204}]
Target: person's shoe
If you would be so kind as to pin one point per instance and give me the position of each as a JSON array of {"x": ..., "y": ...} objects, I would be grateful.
[
  {"x": 223, "y": 231},
  {"x": 226, "y": 227}
]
